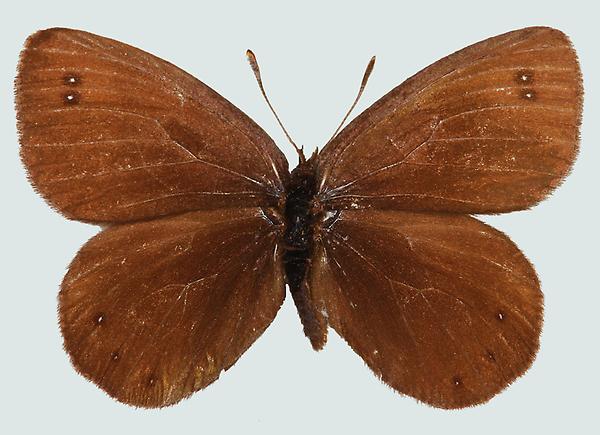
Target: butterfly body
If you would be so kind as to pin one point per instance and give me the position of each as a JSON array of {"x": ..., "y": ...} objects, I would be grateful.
[
  {"x": 203, "y": 224},
  {"x": 301, "y": 218}
]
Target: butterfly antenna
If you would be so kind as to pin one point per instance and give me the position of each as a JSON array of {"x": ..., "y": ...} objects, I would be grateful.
[
  {"x": 256, "y": 71},
  {"x": 363, "y": 84}
]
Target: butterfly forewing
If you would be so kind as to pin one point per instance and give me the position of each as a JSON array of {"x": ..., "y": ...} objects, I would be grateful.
[
  {"x": 443, "y": 308},
  {"x": 153, "y": 311},
  {"x": 112, "y": 133},
  {"x": 490, "y": 128}
]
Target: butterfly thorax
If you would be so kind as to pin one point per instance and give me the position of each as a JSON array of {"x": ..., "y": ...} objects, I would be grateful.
[{"x": 298, "y": 234}]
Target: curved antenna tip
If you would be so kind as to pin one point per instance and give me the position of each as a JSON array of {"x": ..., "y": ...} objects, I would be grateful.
[
  {"x": 256, "y": 70},
  {"x": 369, "y": 70},
  {"x": 363, "y": 83}
]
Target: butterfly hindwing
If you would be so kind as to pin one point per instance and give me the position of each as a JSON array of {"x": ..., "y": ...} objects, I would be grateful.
[
  {"x": 491, "y": 128},
  {"x": 153, "y": 311},
  {"x": 110, "y": 133},
  {"x": 441, "y": 307}
]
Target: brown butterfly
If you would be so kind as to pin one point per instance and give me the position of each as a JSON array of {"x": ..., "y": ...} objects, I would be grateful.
[{"x": 204, "y": 224}]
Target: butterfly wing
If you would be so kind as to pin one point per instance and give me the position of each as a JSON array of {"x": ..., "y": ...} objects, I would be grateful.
[
  {"x": 441, "y": 307},
  {"x": 110, "y": 133},
  {"x": 491, "y": 128},
  {"x": 153, "y": 311}
]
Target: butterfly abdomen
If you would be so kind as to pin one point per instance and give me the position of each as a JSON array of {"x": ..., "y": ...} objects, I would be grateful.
[{"x": 298, "y": 245}]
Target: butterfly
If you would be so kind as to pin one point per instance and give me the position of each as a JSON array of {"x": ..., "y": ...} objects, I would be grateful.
[{"x": 203, "y": 224}]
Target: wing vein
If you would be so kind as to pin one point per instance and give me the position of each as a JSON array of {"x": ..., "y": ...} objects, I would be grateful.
[
  {"x": 161, "y": 80},
  {"x": 188, "y": 152},
  {"x": 416, "y": 94}
]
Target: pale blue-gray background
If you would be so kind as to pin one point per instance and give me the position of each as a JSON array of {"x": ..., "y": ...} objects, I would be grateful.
[{"x": 312, "y": 55}]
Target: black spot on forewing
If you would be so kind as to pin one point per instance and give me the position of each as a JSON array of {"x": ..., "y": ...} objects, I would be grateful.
[
  {"x": 524, "y": 77},
  {"x": 72, "y": 79},
  {"x": 528, "y": 94},
  {"x": 71, "y": 98}
]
